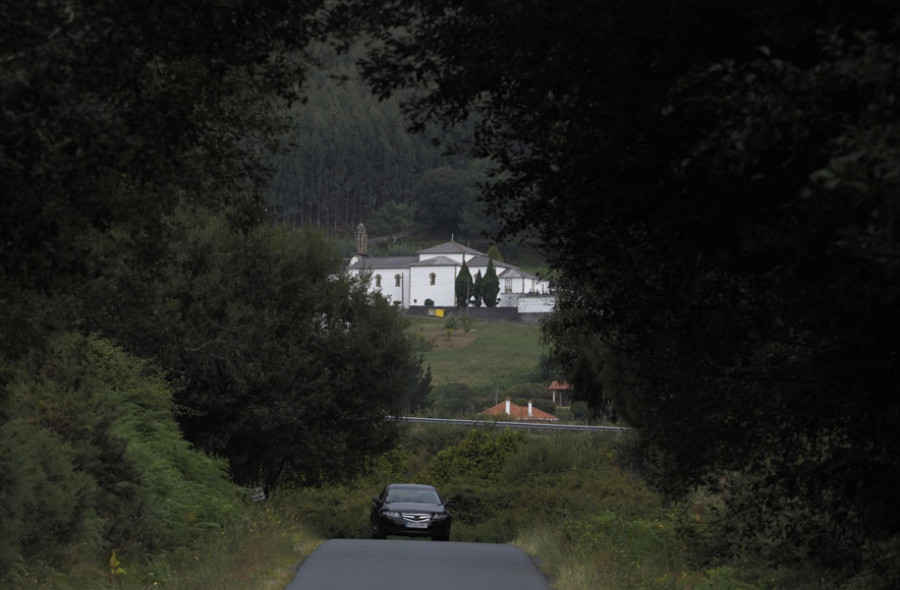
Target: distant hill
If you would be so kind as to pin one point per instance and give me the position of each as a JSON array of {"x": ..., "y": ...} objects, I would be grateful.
[{"x": 350, "y": 154}]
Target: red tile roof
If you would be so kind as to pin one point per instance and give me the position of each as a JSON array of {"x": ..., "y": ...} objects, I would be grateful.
[
  {"x": 560, "y": 385},
  {"x": 520, "y": 412}
]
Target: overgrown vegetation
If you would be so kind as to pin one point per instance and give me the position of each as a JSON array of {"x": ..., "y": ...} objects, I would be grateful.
[
  {"x": 259, "y": 550},
  {"x": 93, "y": 463},
  {"x": 570, "y": 499}
]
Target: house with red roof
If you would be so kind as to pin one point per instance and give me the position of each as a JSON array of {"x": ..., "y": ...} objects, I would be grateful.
[
  {"x": 559, "y": 393},
  {"x": 517, "y": 412}
]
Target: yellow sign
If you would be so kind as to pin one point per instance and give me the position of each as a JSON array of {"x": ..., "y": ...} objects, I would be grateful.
[{"x": 439, "y": 313}]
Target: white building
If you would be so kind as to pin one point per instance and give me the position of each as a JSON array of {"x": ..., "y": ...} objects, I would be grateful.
[{"x": 431, "y": 275}]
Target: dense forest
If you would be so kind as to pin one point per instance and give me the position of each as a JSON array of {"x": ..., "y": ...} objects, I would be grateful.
[{"x": 350, "y": 158}]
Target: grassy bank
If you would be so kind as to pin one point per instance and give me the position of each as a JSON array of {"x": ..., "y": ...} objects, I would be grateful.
[{"x": 259, "y": 551}]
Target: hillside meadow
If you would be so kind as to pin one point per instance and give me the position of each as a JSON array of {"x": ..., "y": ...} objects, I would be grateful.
[{"x": 480, "y": 357}]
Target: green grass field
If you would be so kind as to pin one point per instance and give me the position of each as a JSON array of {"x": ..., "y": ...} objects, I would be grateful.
[{"x": 489, "y": 353}]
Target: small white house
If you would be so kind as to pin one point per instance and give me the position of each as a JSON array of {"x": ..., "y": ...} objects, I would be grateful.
[{"x": 431, "y": 274}]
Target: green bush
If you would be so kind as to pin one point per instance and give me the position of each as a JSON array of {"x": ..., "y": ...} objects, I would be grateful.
[
  {"x": 451, "y": 324},
  {"x": 46, "y": 503},
  {"x": 453, "y": 400},
  {"x": 92, "y": 460},
  {"x": 478, "y": 457},
  {"x": 528, "y": 391},
  {"x": 336, "y": 512},
  {"x": 560, "y": 452},
  {"x": 425, "y": 441},
  {"x": 467, "y": 323}
]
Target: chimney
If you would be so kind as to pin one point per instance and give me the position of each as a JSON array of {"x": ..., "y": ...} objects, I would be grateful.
[
  {"x": 508, "y": 408},
  {"x": 530, "y": 412}
]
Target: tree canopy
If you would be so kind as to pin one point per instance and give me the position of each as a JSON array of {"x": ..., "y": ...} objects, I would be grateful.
[
  {"x": 288, "y": 368},
  {"x": 350, "y": 159},
  {"x": 113, "y": 116},
  {"x": 716, "y": 186},
  {"x": 134, "y": 142},
  {"x": 464, "y": 286},
  {"x": 490, "y": 285}
]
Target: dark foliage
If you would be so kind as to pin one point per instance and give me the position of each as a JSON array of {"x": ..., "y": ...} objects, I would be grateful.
[
  {"x": 717, "y": 188},
  {"x": 464, "y": 288},
  {"x": 125, "y": 127},
  {"x": 490, "y": 285}
]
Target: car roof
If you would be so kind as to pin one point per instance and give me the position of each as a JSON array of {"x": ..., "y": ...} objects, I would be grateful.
[{"x": 411, "y": 486}]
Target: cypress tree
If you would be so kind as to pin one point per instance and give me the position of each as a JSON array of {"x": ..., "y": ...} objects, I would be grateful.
[
  {"x": 490, "y": 286},
  {"x": 478, "y": 288},
  {"x": 464, "y": 286}
]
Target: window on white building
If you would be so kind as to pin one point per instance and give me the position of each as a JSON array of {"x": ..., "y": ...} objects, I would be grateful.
[
  {"x": 377, "y": 281},
  {"x": 433, "y": 278},
  {"x": 397, "y": 280}
]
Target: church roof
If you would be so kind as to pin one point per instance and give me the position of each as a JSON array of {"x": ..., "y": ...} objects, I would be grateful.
[
  {"x": 436, "y": 261},
  {"x": 386, "y": 262},
  {"x": 451, "y": 247},
  {"x": 437, "y": 256}
]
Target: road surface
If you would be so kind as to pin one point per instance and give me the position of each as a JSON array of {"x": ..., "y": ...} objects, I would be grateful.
[{"x": 356, "y": 564}]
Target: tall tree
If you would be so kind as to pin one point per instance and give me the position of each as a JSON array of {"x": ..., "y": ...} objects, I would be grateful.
[
  {"x": 715, "y": 185},
  {"x": 464, "y": 288},
  {"x": 271, "y": 343},
  {"x": 490, "y": 285},
  {"x": 443, "y": 194},
  {"x": 478, "y": 288},
  {"x": 113, "y": 114}
]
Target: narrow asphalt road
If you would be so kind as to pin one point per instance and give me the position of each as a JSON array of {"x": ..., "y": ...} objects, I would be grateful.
[{"x": 355, "y": 564}]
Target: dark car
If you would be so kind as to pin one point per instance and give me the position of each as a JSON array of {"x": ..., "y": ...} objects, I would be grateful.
[{"x": 410, "y": 510}]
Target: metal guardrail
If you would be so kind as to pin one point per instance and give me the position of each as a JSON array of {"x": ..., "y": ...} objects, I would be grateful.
[{"x": 525, "y": 425}]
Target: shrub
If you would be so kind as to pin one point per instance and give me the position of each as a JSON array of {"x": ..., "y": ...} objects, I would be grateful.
[
  {"x": 92, "y": 460},
  {"x": 451, "y": 324},
  {"x": 478, "y": 457},
  {"x": 425, "y": 441},
  {"x": 453, "y": 400},
  {"x": 391, "y": 466},
  {"x": 526, "y": 391},
  {"x": 466, "y": 322},
  {"x": 336, "y": 512},
  {"x": 557, "y": 453}
]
